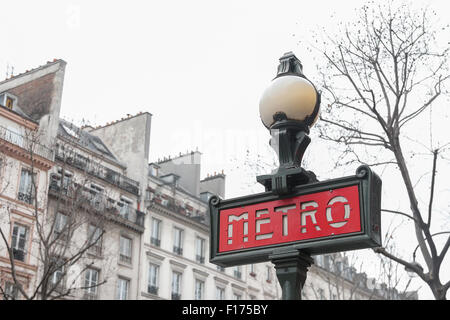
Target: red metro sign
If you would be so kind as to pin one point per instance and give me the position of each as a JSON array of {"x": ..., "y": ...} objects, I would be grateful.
[
  {"x": 334, "y": 215},
  {"x": 309, "y": 216}
]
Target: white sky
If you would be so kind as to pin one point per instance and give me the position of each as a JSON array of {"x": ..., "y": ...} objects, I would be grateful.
[{"x": 199, "y": 67}]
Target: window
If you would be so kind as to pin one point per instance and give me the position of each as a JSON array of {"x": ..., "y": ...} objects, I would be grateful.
[
  {"x": 56, "y": 279},
  {"x": 321, "y": 294},
  {"x": 338, "y": 267},
  {"x": 176, "y": 285},
  {"x": 66, "y": 180},
  {"x": 156, "y": 232},
  {"x": 153, "y": 278},
  {"x": 10, "y": 291},
  {"x": 124, "y": 208},
  {"x": 90, "y": 283},
  {"x": 237, "y": 296},
  {"x": 81, "y": 162},
  {"x": 95, "y": 239},
  {"x": 125, "y": 249},
  {"x": 199, "y": 289},
  {"x": 71, "y": 131},
  {"x": 19, "y": 241},
  {"x": 60, "y": 229},
  {"x": 123, "y": 286},
  {"x": 200, "y": 250},
  {"x": 327, "y": 263},
  {"x": 268, "y": 274},
  {"x": 100, "y": 147},
  {"x": 148, "y": 195},
  {"x": 238, "y": 272},
  {"x": 252, "y": 270},
  {"x": 9, "y": 102},
  {"x": 220, "y": 293},
  {"x": 26, "y": 188},
  {"x": 178, "y": 241},
  {"x": 319, "y": 260},
  {"x": 96, "y": 195}
]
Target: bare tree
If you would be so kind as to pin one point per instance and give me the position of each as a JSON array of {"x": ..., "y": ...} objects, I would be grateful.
[
  {"x": 60, "y": 217},
  {"x": 383, "y": 73}
]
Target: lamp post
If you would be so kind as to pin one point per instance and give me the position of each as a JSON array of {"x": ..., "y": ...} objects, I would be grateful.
[
  {"x": 297, "y": 215},
  {"x": 288, "y": 108}
]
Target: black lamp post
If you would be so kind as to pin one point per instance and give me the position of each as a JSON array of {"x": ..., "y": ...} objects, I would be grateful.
[
  {"x": 288, "y": 108},
  {"x": 271, "y": 226}
]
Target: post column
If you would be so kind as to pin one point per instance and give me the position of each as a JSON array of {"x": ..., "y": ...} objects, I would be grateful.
[{"x": 291, "y": 268}]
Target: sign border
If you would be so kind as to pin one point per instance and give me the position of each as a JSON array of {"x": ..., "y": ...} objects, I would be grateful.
[{"x": 369, "y": 187}]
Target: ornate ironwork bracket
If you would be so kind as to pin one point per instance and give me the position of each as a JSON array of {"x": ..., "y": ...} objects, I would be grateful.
[{"x": 289, "y": 140}]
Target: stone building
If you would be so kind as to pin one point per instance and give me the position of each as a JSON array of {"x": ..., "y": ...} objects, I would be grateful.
[
  {"x": 29, "y": 107},
  {"x": 333, "y": 277},
  {"x": 175, "y": 243},
  {"x": 67, "y": 209},
  {"x": 94, "y": 181}
]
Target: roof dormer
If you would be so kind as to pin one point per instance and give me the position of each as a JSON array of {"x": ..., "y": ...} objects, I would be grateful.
[{"x": 8, "y": 100}]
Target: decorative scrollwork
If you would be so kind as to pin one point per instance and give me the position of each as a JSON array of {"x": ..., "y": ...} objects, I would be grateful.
[
  {"x": 214, "y": 201},
  {"x": 362, "y": 171}
]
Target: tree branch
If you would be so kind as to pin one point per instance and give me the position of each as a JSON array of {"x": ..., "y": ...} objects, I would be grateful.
[
  {"x": 408, "y": 265},
  {"x": 433, "y": 178},
  {"x": 401, "y": 213}
]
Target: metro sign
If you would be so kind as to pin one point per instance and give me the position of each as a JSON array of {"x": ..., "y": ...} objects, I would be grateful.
[{"x": 328, "y": 216}]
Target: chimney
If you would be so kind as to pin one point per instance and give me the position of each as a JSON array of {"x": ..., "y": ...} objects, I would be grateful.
[{"x": 214, "y": 184}]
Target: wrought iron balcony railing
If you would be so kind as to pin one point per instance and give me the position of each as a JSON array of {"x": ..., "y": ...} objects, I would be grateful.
[
  {"x": 152, "y": 289},
  {"x": 125, "y": 258},
  {"x": 199, "y": 258},
  {"x": 156, "y": 242},
  {"x": 99, "y": 171},
  {"x": 26, "y": 197},
  {"x": 98, "y": 202},
  {"x": 25, "y": 143},
  {"x": 18, "y": 254},
  {"x": 176, "y": 296},
  {"x": 178, "y": 250}
]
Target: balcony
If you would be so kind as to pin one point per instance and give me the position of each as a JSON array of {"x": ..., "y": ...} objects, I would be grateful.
[
  {"x": 124, "y": 258},
  {"x": 27, "y": 144},
  {"x": 99, "y": 171},
  {"x": 96, "y": 202},
  {"x": 153, "y": 289},
  {"x": 18, "y": 254},
  {"x": 176, "y": 296},
  {"x": 96, "y": 250},
  {"x": 156, "y": 242},
  {"x": 171, "y": 204},
  {"x": 25, "y": 197},
  {"x": 200, "y": 259},
  {"x": 178, "y": 250}
]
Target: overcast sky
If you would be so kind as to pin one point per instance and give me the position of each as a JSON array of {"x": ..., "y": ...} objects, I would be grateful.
[{"x": 199, "y": 67}]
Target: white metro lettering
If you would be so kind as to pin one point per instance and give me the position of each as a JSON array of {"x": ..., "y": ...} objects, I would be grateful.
[
  {"x": 346, "y": 212},
  {"x": 232, "y": 218}
]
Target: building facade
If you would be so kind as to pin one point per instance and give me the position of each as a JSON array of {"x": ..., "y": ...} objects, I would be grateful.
[
  {"x": 175, "y": 246},
  {"x": 26, "y": 160}
]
